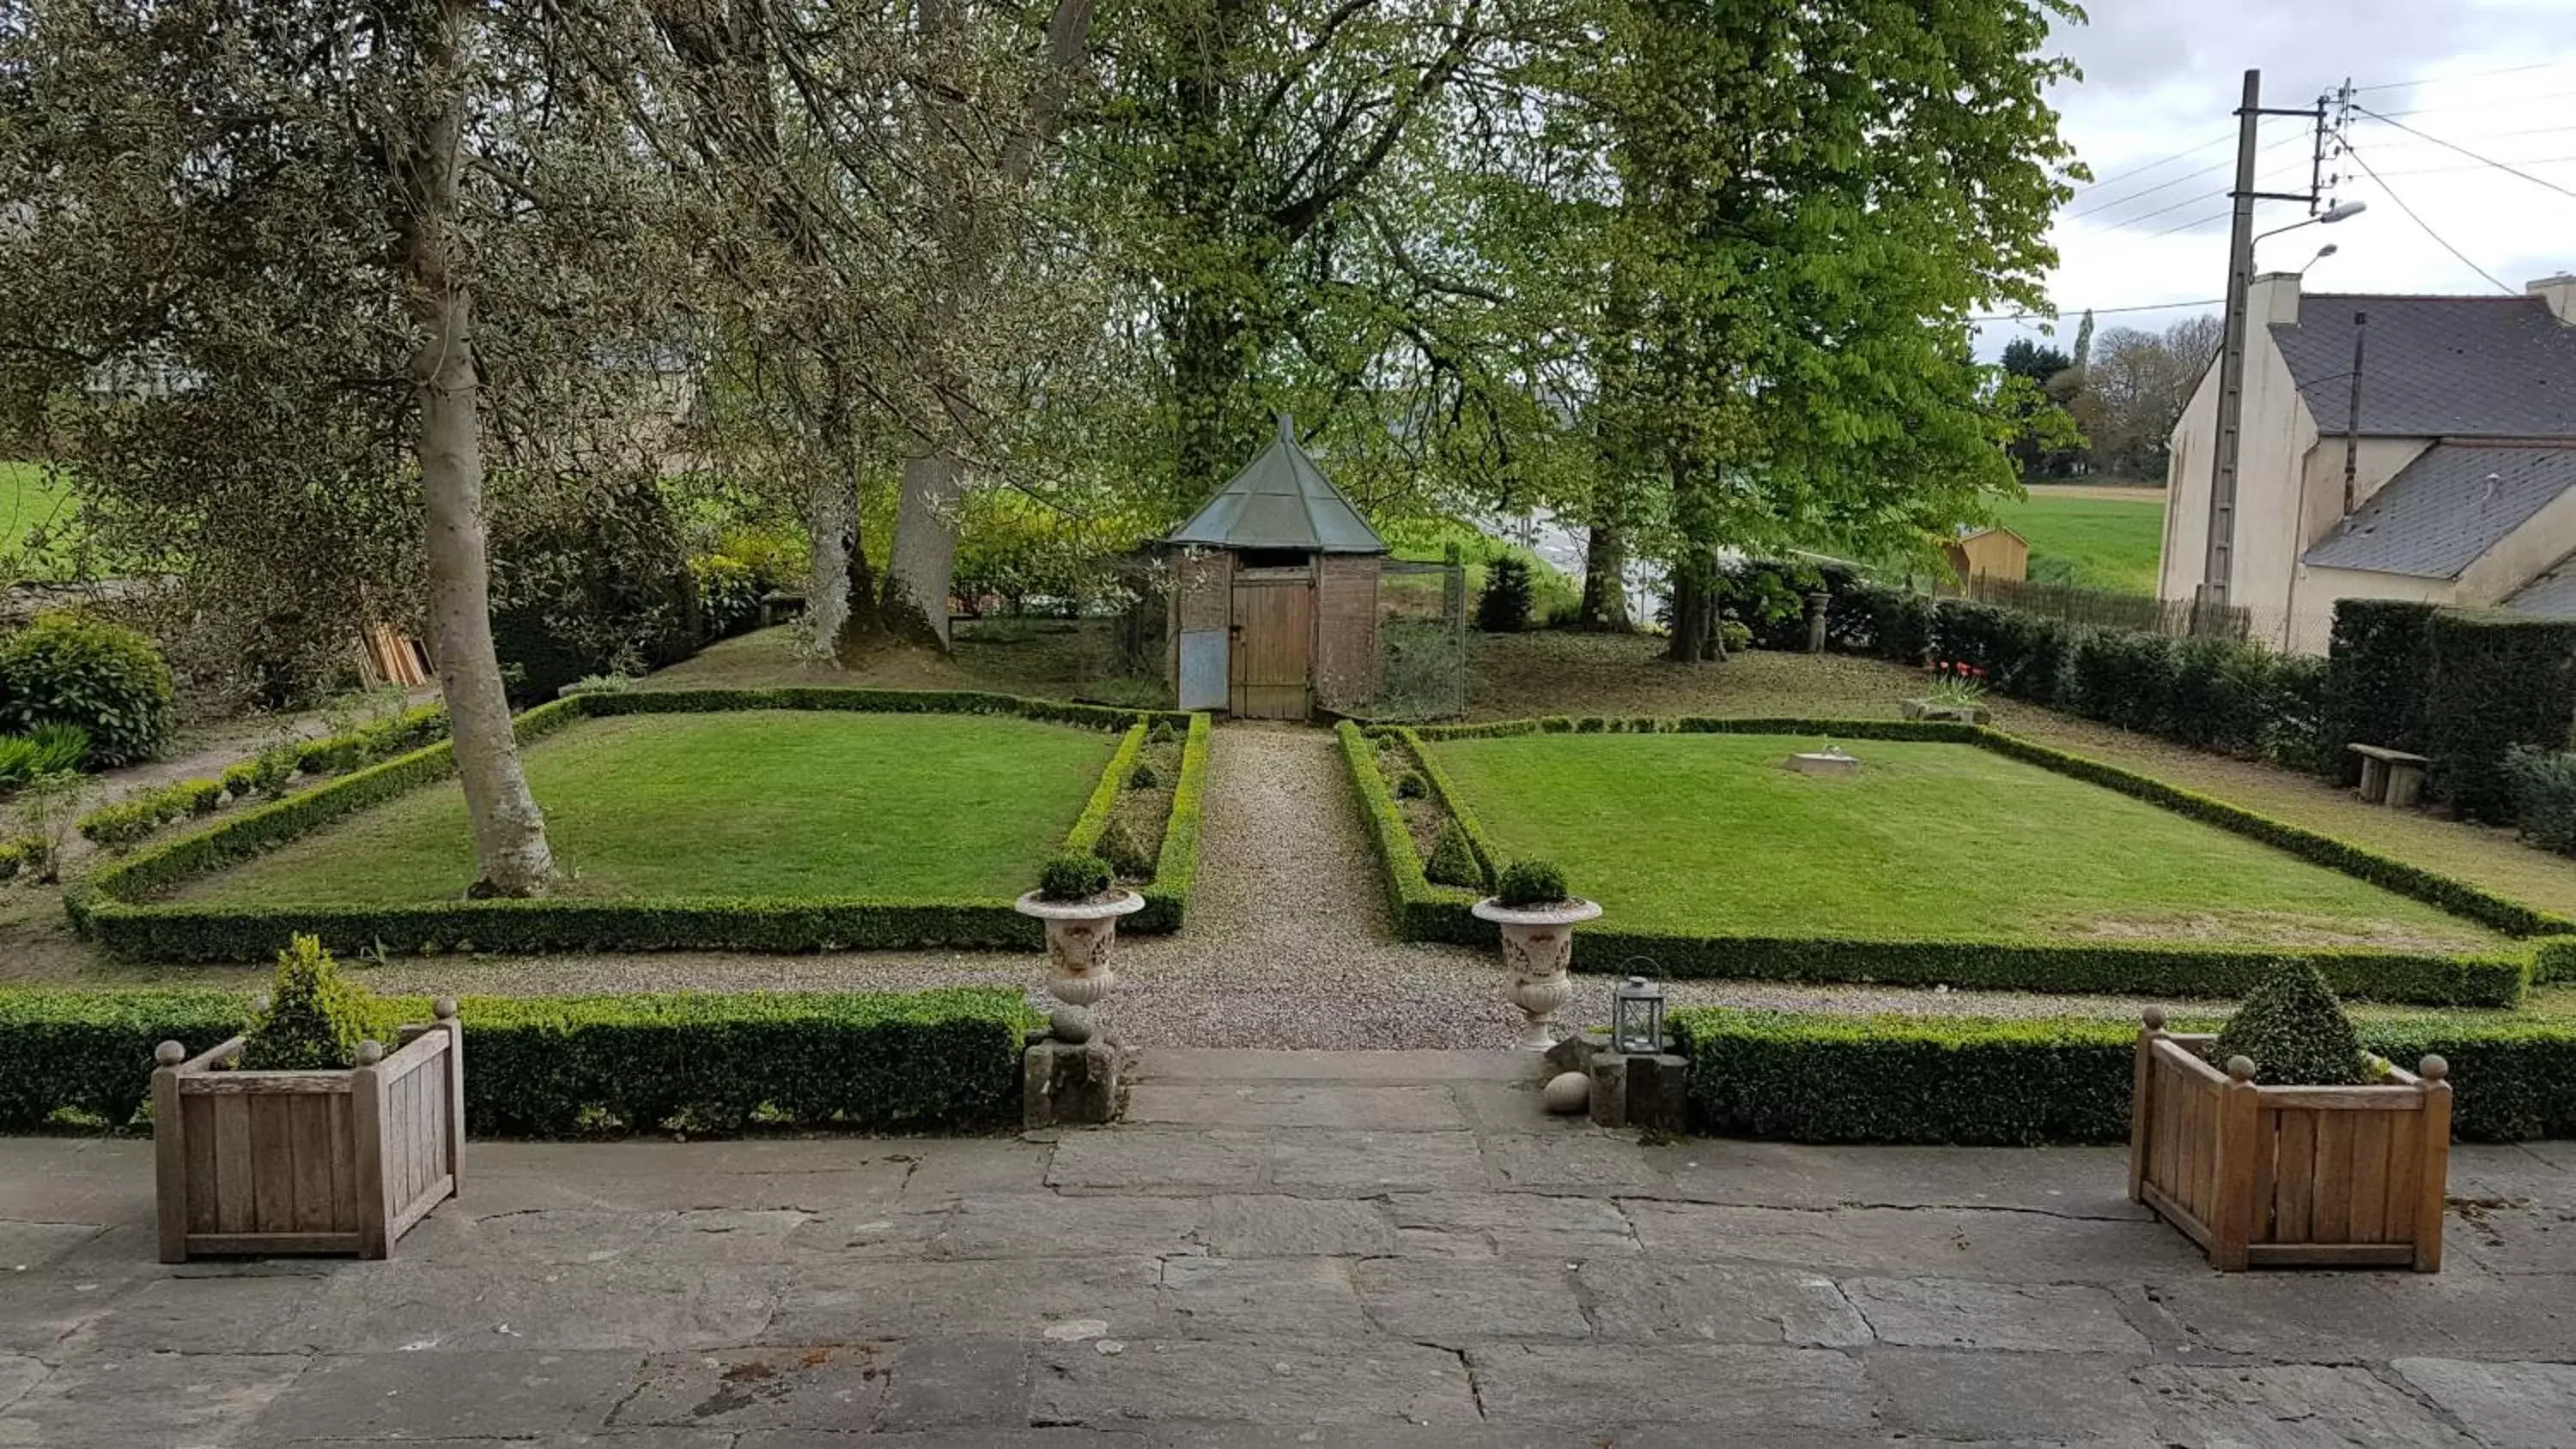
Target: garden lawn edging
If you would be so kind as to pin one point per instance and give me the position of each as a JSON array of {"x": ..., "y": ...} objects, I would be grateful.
[
  {"x": 943, "y": 1059},
  {"x": 115, "y": 907},
  {"x": 1427, "y": 912},
  {"x": 2021, "y": 1082}
]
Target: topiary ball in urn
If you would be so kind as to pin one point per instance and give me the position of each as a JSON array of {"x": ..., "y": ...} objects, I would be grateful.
[
  {"x": 1079, "y": 899},
  {"x": 1527, "y": 884},
  {"x": 1074, "y": 877},
  {"x": 2294, "y": 1031}
]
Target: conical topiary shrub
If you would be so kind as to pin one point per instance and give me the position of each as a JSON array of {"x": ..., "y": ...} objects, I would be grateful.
[
  {"x": 2294, "y": 1030},
  {"x": 1453, "y": 861},
  {"x": 1125, "y": 853},
  {"x": 314, "y": 1020}
]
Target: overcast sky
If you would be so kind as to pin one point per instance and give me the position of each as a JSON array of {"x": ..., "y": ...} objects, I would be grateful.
[{"x": 2161, "y": 77}]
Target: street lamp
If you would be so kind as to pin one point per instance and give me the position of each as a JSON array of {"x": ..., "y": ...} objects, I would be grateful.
[{"x": 2340, "y": 211}]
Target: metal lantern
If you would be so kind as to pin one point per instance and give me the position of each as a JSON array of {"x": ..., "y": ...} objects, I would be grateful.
[{"x": 1637, "y": 1018}]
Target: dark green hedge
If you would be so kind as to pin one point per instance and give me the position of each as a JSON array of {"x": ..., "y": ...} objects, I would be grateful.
[
  {"x": 1177, "y": 867},
  {"x": 561, "y": 1066},
  {"x": 1422, "y": 911},
  {"x": 2379, "y": 664},
  {"x": 1981, "y": 1081},
  {"x": 2499, "y": 680},
  {"x": 117, "y": 910},
  {"x": 2175, "y": 970}
]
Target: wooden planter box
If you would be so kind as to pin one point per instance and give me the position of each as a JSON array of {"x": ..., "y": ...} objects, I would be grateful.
[
  {"x": 307, "y": 1162},
  {"x": 2284, "y": 1177}
]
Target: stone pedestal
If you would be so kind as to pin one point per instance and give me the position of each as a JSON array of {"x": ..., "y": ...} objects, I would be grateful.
[
  {"x": 1068, "y": 1084},
  {"x": 1649, "y": 1092}
]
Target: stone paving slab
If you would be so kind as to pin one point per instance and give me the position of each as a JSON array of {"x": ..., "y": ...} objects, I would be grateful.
[{"x": 1255, "y": 1270}]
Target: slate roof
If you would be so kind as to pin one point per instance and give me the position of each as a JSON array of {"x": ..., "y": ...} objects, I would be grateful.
[
  {"x": 1282, "y": 500},
  {"x": 2446, "y": 508},
  {"x": 2484, "y": 367},
  {"x": 2552, "y": 594}
]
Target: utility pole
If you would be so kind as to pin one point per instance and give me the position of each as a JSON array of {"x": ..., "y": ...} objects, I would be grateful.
[
  {"x": 2352, "y": 412},
  {"x": 2218, "y": 565}
]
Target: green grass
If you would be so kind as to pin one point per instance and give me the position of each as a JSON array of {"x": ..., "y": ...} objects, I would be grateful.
[
  {"x": 1707, "y": 835},
  {"x": 767, "y": 803},
  {"x": 30, "y": 500},
  {"x": 1553, "y": 591},
  {"x": 2101, "y": 543}
]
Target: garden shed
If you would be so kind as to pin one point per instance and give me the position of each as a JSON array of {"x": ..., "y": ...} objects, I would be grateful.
[
  {"x": 1994, "y": 553},
  {"x": 1274, "y": 592}
]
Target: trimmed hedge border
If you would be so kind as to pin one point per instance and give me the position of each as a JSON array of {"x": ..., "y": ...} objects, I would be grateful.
[
  {"x": 1975, "y": 1081},
  {"x": 2495, "y": 979},
  {"x": 565, "y": 1066},
  {"x": 1176, "y": 866},
  {"x": 115, "y": 907},
  {"x": 1489, "y": 862}
]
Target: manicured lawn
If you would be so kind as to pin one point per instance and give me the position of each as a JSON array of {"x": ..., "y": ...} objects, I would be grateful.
[
  {"x": 29, "y": 500},
  {"x": 2102, "y": 543},
  {"x": 777, "y": 803},
  {"x": 1706, "y": 834}
]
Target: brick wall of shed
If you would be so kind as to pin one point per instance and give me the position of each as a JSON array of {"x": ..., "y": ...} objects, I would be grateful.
[{"x": 1346, "y": 630}]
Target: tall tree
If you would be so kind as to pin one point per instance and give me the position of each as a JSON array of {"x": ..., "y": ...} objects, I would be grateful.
[{"x": 2135, "y": 390}]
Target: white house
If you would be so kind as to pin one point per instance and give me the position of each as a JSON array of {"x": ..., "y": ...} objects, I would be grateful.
[{"x": 2462, "y": 466}]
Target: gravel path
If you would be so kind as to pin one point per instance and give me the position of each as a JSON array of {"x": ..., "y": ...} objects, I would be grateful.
[{"x": 1287, "y": 944}]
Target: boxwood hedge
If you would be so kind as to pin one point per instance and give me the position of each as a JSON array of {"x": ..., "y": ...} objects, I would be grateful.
[
  {"x": 1426, "y": 912},
  {"x": 2020, "y": 1082},
  {"x": 560, "y": 1066},
  {"x": 116, "y": 906}
]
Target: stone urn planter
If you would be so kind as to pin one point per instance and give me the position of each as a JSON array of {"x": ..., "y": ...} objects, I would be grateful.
[
  {"x": 266, "y": 1163},
  {"x": 1926, "y": 709},
  {"x": 1538, "y": 943},
  {"x": 2289, "y": 1177},
  {"x": 1079, "y": 937}
]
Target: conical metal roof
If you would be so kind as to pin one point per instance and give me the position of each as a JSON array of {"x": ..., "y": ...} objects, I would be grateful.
[{"x": 1281, "y": 500}]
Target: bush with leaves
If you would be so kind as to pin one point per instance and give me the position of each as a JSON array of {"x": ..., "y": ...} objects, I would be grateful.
[
  {"x": 1074, "y": 877},
  {"x": 1453, "y": 860},
  {"x": 2294, "y": 1031},
  {"x": 1125, "y": 852},
  {"x": 1411, "y": 786},
  {"x": 48, "y": 749},
  {"x": 1504, "y": 606},
  {"x": 1531, "y": 883},
  {"x": 2543, "y": 783},
  {"x": 68, "y": 668},
  {"x": 314, "y": 1020},
  {"x": 1144, "y": 776}
]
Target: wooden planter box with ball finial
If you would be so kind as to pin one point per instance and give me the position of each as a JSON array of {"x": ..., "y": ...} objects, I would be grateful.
[
  {"x": 263, "y": 1163},
  {"x": 2290, "y": 1177}
]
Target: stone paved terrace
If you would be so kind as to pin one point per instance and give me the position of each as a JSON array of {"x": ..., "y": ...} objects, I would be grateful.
[{"x": 1331, "y": 1249}]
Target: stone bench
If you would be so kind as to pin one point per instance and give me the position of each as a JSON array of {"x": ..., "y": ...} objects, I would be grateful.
[{"x": 2389, "y": 777}]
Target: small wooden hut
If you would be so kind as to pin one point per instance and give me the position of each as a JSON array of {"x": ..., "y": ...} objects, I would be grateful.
[
  {"x": 1274, "y": 593},
  {"x": 1995, "y": 553}
]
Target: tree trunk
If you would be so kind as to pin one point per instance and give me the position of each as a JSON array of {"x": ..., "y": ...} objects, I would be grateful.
[
  {"x": 924, "y": 561},
  {"x": 510, "y": 853},
  {"x": 832, "y": 522},
  {"x": 1605, "y": 581},
  {"x": 1694, "y": 637}
]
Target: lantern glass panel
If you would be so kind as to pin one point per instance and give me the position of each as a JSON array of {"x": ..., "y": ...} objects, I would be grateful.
[{"x": 1637, "y": 1018}]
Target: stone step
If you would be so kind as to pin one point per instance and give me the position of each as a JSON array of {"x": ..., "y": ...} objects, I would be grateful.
[
  {"x": 1350, "y": 1069},
  {"x": 1409, "y": 1107}
]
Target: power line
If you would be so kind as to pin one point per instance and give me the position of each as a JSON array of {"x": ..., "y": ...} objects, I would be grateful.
[
  {"x": 2220, "y": 140},
  {"x": 2465, "y": 151},
  {"x": 2423, "y": 225},
  {"x": 2102, "y": 311},
  {"x": 2472, "y": 75},
  {"x": 2108, "y": 203},
  {"x": 2480, "y": 166}
]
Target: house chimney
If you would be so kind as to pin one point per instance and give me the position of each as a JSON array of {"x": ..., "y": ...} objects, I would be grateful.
[
  {"x": 2559, "y": 292},
  {"x": 2273, "y": 297}
]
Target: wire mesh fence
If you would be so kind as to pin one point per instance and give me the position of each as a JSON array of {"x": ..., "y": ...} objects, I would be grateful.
[
  {"x": 1421, "y": 640},
  {"x": 2109, "y": 609}
]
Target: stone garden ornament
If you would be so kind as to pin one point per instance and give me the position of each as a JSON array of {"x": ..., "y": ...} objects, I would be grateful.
[
  {"x": 1537, "y": 918},
  {"x": 1080, "y": 905}
]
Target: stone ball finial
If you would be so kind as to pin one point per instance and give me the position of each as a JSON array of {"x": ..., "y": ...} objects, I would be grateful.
[
  {"x": 2240, "y": 1069},
  {"x": 2155, "y": 1018},
  {"x": 444, "y": 1008},
  {"x": 370, "y": 1053},
  {"x": 2433, "y": 1069},
  {"x": 169, "y": 1054},
  {"x": 1070, "y": 1024}
]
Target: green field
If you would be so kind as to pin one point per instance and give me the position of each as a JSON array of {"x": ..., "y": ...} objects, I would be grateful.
[
  {"x": 29, "y": 501},
  {"x": 2102, "y": 543},
  {"x": 762, "y": 803},
  {"x": 1707, "y": 835}
]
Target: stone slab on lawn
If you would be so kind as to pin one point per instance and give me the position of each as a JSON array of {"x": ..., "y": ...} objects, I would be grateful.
[
  {"x": 1726, "y": 1393},
  {"x": 1637, "y": 1298},
  {"x": 518, "y": 1393},
  {"x": 2011, "y": 1317},
  {"x": 1293, "y": 1104},
  {"x": 2287, "y": 1406},
  {"x": 1265, "y": 1225},
  {"x": 1263, "y": 1297},
  {"x": 1305, "y": 1382},
  {"x": 2504, "y": 1405},
  {"x": 126, "y": 1401},
  {"x": 1948, "y": 1396},
  {"x": 1449, "y": 1303}
]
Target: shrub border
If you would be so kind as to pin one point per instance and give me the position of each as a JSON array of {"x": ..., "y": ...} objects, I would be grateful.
[
  {"x": 946, "y": 1058},
  {"x": 1427, "y": 913},
  {"x": 115, "y": 909},
  {"x": 1815, "y": 1077}
]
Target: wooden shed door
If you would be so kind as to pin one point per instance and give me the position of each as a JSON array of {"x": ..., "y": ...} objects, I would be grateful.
[{"x": 1274, "y": 644}]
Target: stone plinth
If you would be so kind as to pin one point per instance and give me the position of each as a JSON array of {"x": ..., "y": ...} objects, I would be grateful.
[{"x": 1068, "y": 1084}]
